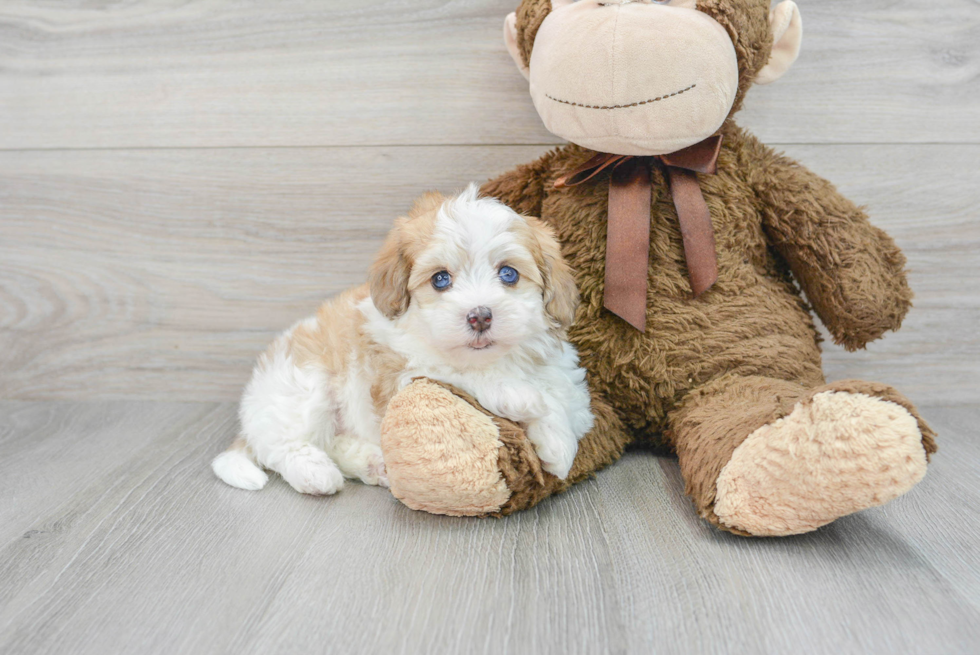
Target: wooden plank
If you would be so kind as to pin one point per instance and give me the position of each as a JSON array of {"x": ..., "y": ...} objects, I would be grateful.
[
  {"x": 52, "y": 453},
  {"x": 867, "y": 583},
  {"x": 148, "y": 507},
  {"x": 152, "y": 554},
  {"x": 940, "y": 520},
  {"x": 179, "y": 265},
  {"x": 162, "y": 273},
  {"x": 161, "y": 557},
  {"x": 876, "y": 72},
  {"x": 371, "y": 72}
]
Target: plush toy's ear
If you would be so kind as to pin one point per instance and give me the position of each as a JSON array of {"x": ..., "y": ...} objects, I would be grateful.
[
  {"x": 389, "y": 275},
  {"x": 510, "y": 38},
  {"x": 787, "y": 36}
]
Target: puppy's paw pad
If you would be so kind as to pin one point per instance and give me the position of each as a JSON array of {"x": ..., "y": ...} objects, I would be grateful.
[{"x": 312, "y": 472}]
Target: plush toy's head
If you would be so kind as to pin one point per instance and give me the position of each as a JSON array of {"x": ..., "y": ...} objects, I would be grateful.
[{"x": 647, "y": 77}]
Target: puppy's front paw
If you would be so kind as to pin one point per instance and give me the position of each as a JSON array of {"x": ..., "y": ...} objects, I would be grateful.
[
  {"x": 555, "y": 447},
  {"x": 374, "y": 471},
  {"x": 309, "y": 470},
  {"x": 518, "y": 403},
  {"x": 360, "y": 460}
]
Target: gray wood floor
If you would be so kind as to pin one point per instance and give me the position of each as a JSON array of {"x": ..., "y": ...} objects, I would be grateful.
[
  {"x": 118, "y": 539},
  {"x": 180, "y": 179}
]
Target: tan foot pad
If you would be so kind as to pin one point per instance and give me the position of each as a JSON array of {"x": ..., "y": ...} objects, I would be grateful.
[
  {"x": 441, "y": 453},
  {"x": 834, "y": 455}
]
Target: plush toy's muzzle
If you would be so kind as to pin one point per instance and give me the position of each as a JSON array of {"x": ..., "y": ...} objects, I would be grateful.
[
  {"x": 632, "y": 79},
  {"x": 642, "y": 77}
]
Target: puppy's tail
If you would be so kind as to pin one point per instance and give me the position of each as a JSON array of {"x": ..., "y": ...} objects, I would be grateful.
[{"x": 237, "y": 467}]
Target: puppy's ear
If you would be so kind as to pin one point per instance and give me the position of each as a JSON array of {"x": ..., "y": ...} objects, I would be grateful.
[
  {"x": 561, "y": 297},
  {"x": 393, "y": 265},
  {"x": 389, "y": 274},
  {"x": 428, "y": 203}
]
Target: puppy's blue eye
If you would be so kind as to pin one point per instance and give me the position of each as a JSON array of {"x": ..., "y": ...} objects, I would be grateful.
[
  {"x": 441, "y": 280},
  {"x": 508, "y": 275}
]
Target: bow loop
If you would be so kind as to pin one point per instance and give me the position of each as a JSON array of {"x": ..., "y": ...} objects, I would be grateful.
[{"x": 590, "y": 169}]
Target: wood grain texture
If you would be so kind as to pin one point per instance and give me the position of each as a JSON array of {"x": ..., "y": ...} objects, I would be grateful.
[
  {"x": 160, "y": 274},
  {"x": 377, "y": 72},
  {"x": 147, "y": 552}
]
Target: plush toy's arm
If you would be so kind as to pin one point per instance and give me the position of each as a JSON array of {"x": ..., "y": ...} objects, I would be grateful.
[
  {"x": 522, "y": 188},
  {"x": 852, "y": 272}
]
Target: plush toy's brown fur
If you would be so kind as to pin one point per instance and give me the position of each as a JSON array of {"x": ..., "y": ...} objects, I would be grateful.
[
  {"x": 748, "y": 343},
  {"x": 709, "y": 372}
]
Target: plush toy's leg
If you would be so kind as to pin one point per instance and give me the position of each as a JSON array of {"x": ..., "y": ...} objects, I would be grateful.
[
  {"x": 768, "y": 457},
  {"x": 447, "y": 455}
]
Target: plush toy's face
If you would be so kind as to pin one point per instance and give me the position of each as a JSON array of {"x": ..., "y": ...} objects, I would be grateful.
[{"x": 637, "y": 77}]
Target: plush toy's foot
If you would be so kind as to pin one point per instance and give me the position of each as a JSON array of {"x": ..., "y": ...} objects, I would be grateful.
[
  {"x": 447, "y": 455},
  {"x": 835, "y": 455},
  {"x": 822, "y": 454}
]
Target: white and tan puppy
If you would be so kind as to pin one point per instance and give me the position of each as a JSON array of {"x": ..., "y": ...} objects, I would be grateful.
[{"x": 464, "y": 291}]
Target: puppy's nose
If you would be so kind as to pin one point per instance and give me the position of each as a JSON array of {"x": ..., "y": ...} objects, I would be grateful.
[{"x": 479, "y": 318}]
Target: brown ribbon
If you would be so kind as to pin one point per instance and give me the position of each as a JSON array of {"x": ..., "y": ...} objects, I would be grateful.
[{"x": 628, "y": 226}]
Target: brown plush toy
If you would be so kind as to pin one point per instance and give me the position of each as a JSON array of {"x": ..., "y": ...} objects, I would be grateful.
[{"x": 686, "y": 235}]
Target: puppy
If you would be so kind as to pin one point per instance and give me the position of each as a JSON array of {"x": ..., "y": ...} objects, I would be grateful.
[{"x": 464, "y": 291}]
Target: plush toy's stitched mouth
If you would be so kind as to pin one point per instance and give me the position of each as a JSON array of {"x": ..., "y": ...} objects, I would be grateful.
[{"x": 632, "y": 104}]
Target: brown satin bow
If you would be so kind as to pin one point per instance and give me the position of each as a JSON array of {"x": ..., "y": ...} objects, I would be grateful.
[{"x": 628, "y": 227}]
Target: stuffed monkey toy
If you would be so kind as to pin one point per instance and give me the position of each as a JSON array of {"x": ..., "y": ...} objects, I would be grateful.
[{"x": 691, "y": 243}]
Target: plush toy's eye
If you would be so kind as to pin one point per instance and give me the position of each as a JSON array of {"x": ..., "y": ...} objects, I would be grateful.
[
  {"x": 508, "y": 275},
  {"x": 442, "y": 281}
]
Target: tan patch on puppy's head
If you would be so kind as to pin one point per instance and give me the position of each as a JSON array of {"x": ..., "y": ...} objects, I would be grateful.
[
  {"x": 561, "y": 297},
  {"x": 390, "y": 272}
]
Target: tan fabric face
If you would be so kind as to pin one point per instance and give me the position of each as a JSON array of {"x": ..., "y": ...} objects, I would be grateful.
[{"x": 632, "y": 79}]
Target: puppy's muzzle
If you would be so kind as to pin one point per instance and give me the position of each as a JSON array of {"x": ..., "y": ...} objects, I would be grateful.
[{"x": 479, "y": 318}]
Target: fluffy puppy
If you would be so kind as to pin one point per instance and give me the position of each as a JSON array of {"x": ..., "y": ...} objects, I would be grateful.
[{"x": 464, "y": 291}]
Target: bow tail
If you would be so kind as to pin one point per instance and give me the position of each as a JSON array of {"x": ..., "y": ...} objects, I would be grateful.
[
  {"x": 628, "y": 242},
  {"x": 696, "y": 229}
]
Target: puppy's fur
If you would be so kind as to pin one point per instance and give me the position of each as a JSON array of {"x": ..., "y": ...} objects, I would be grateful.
[{"x": 313, "y": 407}]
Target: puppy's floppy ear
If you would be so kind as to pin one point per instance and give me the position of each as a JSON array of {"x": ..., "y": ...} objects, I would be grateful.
[
  {"x": 561, "y": 297},
  {"x": 392, "y": 267},
  {"x": 389, "y": 274},
  {"x": 428, "y": 203}
]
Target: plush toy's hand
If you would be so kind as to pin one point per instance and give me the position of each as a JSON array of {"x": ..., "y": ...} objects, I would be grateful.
[
  {"x": 447, "y": 455},
  {"x": 853, "y": 274}
]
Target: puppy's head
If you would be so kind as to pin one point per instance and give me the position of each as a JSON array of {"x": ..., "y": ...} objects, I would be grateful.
[{"x": 469, "y": 274}]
